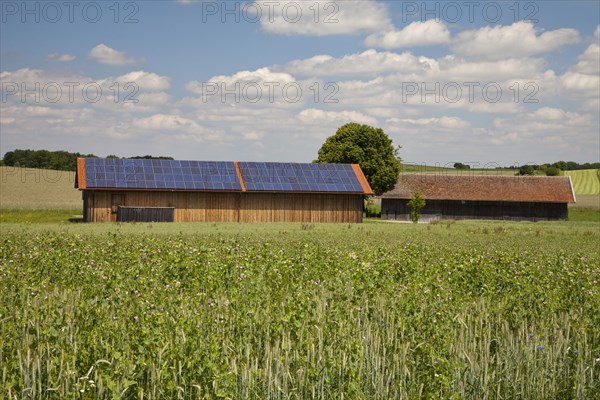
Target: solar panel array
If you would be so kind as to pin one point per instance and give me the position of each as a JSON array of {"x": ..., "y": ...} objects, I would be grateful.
[
  {"x": 219, "y": 175},
  {"x": 292, "y": 177},
  {"x": 161, "y": 174}
]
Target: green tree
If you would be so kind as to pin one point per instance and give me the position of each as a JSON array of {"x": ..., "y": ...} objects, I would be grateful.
[
  {"x": 416, "y": 204},
  {"x": 526, "y": 170},
  {"x": 460, "y": 165},
  {"x": 562, "y": 165},
  {"x": 367, "y": 146},
  {"x": 553, "y": 171}
]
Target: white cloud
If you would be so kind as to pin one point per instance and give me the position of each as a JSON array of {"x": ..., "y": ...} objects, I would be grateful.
[
  {"x": 253, "y": 135},
  {"x": 146, "y": 81},
  {"x": 167, "y": 122},
  {"x": 321, "y": 18},
  {"x": 441, "y": 122},
  {"x": 583, "y": 79},
  {"x": 417, "y": 33},
  {"x": 60, "y": 57},
  {"x": 109, "y": 56},
  {"x": 520, "y": 39},
  {"x": 315, "y": 116},
  {"x": 367, "y": 63}
]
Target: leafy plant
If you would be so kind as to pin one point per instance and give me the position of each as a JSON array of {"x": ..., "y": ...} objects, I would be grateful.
[{"x": 416, "y": 204}]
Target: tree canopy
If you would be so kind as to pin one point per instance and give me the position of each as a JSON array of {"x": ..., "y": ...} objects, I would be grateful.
[
  {"x": 367, "y": 146},
  {"x": 58, "y": 160}
]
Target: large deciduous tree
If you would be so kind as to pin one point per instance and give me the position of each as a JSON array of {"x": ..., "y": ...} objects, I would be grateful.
[{"x": 367, "y": 146}]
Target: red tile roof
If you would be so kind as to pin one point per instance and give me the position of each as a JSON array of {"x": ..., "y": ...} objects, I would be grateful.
[{"x": 551, "y": 189}]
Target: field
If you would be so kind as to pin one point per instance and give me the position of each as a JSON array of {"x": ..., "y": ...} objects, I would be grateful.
[
  {"x": 585, "y": 181},
  {"x": 464, "y": 310},
  {"x": 28, "y": 188},
  {"x": 448, "y": 310}
]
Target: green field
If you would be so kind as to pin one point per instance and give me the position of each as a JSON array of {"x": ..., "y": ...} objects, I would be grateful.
[
  {"x": 28, "y": 188},
  {"x": 586, "y": 181},
  {"x": 450, "y": 310}
]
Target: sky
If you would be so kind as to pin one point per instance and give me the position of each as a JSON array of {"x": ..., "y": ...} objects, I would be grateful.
[{"x": 485, "y": 83}]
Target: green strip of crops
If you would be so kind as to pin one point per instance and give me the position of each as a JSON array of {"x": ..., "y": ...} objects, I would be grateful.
[{"x": 381, "y": 311}]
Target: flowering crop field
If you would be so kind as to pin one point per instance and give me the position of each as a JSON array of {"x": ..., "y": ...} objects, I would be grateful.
[{"x": 466, "y": 310}]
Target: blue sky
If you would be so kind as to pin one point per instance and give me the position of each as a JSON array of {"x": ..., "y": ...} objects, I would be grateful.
[{"x": 475, "y": 82}]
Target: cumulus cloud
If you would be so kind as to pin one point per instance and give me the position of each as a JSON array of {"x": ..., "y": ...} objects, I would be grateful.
[
  {"x": 314, "y": 115},
  {"x": 583, "y": 79},
  {"x": 320, "y": 18},
  {"x": 168, "y": 122},
  {"x": 520, "y": 39},
  {"x": 60, "y": 57},
  {"x": 109, "y": 56},
  {"x": 368, "y": 63},
  {"x": 417, "y": 33}
]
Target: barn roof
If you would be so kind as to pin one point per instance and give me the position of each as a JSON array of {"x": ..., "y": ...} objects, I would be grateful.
[
  {"x": 229, "y": 176},
  {"x": 550, "y": 189}
]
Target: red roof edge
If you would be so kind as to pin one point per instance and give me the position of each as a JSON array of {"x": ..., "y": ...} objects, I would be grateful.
[
  {"x": 80, "y": 174},
  {"x": 239, "y": 174},
  {"x": 361, "y": 178}
]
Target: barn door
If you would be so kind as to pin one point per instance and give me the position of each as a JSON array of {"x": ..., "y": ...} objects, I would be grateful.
[{"x": 118, "y": 199}]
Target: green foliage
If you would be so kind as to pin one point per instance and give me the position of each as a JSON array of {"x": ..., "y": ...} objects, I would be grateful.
[
  {"x": 562, "y": 165},
  {"x": 372, "y": 208},
  {"x": 367, "y": 146},
  {"x": 552, "y": 171},
  {"x": 55, "y": 160},
  {"x": 481, "y": 310},
  {"x": 460, "y": 165},
  {"x": 43, "y": 159},
  {"x": 416, "y": 204},
  {"x": 526, "y": 170}
]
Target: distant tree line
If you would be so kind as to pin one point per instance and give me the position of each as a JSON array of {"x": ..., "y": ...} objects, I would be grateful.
[
  {"x": 58, "y": 160},
  {"x": 555, "y": 168}
]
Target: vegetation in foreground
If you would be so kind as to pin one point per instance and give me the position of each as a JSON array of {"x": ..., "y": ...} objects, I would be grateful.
[{"x": 469, "y": 310}]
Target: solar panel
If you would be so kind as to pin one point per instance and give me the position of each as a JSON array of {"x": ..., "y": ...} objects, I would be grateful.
[
  {"x": 161, "y": 174},
  {"x": 293, "y": 177}
]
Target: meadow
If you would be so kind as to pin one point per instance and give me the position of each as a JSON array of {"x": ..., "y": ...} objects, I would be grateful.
[
  {"x": 586, "y": 181},
  {"x": 452, "y": 310}
]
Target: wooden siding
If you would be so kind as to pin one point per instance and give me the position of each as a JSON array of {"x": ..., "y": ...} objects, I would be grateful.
[
  {"x": 300, "y": 207},
  {"x": 101, "y": 206},
  {"x": 189, "y": 206},
  {"x": 397, "y": 209}
]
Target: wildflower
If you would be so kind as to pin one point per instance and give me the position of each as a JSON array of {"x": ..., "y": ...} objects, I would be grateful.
[
  {"x": 541, "y": 348},
  {"x": 531, "y": 335},
  {"x": 136, "y": 318}
]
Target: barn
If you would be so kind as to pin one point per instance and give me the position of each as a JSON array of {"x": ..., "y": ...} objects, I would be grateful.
[
  {"x": 151, "y": 190},
  {"x": 480, "y": 197}
]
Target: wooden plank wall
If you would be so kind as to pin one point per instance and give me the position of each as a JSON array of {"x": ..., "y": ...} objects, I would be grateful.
[
  {"x": 231, "y": 207},
  {"x": 533, "y": 211},
  {"x": 300, "y": 207},
  {"x": 189, "y": 207}
]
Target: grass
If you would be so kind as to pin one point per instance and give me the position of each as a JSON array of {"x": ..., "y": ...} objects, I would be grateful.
[
  {"x": 28, "y": 188},
  {"x": 40, "y": 216},
  {"x": 585, "y": 181},
  {"x": 466, "y": 309}
]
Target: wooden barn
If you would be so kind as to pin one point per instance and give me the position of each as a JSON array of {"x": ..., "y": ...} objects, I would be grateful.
[
  {"x": 480, "y": 197},
  {"x": 199, "y": 191}
]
